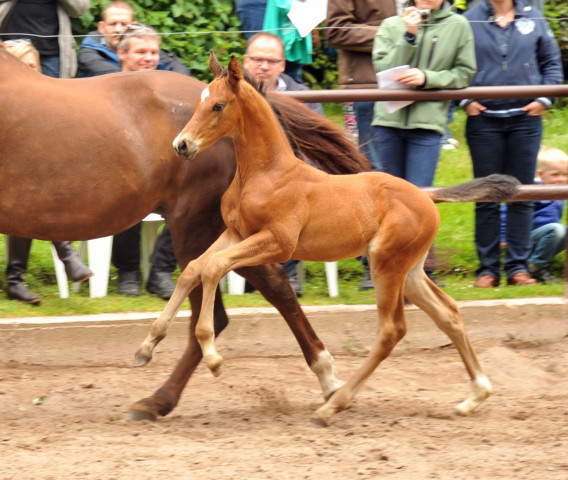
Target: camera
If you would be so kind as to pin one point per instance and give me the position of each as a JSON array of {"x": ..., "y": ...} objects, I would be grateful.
[{"x": 424, "y": 13}]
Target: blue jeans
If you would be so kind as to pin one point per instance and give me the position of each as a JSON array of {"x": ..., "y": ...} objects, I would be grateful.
[
  {"x": 508, "y": 146},
  {"x": 251, "y": 15},
  {"x": 364, "y": 112},
  {"x": 547, "y": 241},
  {"x": 410, "y": 154},
  {"x": 50, "y": 65}
]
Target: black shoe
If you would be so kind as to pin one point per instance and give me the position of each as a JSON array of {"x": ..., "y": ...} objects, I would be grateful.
[
  {"x": 129, "y": 283},
  {"x": 366, "y": 283},
  {"x": 77, "y": 271},
  {"x": 296, "y": 285},
  {"x": 161, "y": 284},
  {"x": 542, "y": 274},
  {"x": 19, "y": 291}
]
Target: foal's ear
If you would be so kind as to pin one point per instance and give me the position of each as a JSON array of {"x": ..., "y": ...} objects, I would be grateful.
[
  {"x": 235, "y": 72},
  {"x": 214, "y": 65}
]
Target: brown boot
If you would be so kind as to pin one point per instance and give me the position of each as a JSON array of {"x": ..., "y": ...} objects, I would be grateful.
[{"x": 521, "y": 278}]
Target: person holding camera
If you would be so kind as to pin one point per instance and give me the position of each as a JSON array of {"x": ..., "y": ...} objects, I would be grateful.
[
  {"x": 434, "y": 48},
  {"x": 437, "y": 46}
]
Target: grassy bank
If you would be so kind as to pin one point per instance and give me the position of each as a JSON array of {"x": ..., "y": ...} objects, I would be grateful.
[{"x": 455, "y": 261}]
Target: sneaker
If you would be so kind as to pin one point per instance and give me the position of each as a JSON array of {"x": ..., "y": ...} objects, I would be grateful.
[
  {"x": 452, "y": 141},
  {"x": 296, "y": 285},
  {"x": 542, "y": 274},
  {"x": 448, "y": 146}
]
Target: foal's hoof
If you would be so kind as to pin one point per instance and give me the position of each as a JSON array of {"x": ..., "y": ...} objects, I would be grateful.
[
  {"x": 322, "y": 416},
  {"x": 142, "y": 357},
  {"x": 215, "y": 364}
]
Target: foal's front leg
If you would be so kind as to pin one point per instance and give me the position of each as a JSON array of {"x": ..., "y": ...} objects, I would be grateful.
[
  {"x": 258, "y": 249},
  {"x": 188, "y": 280}
]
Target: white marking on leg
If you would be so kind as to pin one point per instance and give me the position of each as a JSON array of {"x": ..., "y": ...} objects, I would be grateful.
[
  {"x": 481, "y": 389},
  {"x": 324, "y": 368}
]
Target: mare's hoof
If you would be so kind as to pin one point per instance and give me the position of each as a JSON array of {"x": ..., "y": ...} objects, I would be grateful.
[
  {"x": 215, "y": 364},
  {"x": 138, "y": 412}
]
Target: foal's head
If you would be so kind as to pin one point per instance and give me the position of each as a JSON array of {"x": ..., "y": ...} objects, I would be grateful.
[{"x": 218, "y": 112}]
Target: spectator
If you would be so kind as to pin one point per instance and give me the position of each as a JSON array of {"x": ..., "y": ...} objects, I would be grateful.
[
  {"x": 47, "y": 25},
  {"x": 98, "y": 55},
  {"x": 139, "y": 49},
  {"x": 438, "y": 46},
  {"x": 18, "y": 247},
  {"x": 352, "y": 26},
  {"x": 516, "y": 47},
  {"x": 548, "y": 237},
  {"x": 251, "y": 15},
  {"x": 264, "y": 59}
]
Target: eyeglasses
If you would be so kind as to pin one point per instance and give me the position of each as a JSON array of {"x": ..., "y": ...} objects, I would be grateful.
[
  {"x": 19, "y": 41},
  {"x": 271, "y": 61}
]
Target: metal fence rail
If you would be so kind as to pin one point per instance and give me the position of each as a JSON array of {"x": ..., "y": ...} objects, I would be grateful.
[{"x": 526, "y": 192}]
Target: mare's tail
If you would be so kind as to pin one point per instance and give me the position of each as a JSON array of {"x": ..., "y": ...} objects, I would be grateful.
[
  {"x": 493, "y": 188},
  {"x": 319, "y": 140}
]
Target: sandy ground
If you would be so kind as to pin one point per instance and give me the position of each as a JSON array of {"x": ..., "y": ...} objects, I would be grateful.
[{"x": 65, "y": 388}]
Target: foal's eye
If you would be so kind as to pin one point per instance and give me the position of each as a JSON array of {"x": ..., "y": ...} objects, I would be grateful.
[{"x": 218, "y": 107}]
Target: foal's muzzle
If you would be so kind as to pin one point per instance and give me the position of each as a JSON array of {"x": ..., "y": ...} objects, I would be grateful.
[{"x": 186, "y": 148}]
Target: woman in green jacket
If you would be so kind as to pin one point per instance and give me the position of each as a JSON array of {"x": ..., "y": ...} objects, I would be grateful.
[{"x": 437, "y": 46}]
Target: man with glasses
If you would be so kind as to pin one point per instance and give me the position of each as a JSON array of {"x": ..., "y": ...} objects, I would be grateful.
[
  {"x": 264, "y": 58},
  {"x": 98, "y": 53}
]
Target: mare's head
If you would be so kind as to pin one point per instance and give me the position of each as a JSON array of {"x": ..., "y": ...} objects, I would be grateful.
[{"x": 218, "y": 110}]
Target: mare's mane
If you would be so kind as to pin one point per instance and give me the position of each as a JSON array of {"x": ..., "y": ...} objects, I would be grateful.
[{"x": 313, "y": 138}]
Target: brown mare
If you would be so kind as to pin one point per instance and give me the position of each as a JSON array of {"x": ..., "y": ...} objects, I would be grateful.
[
  {"x": 86, "y": 158},
  {"x": 278, "y": 208}
]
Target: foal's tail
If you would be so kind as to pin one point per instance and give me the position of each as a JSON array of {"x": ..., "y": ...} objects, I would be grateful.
[
  {"x": 493, "y": 188},
  {"x": 321, "y": 142}
]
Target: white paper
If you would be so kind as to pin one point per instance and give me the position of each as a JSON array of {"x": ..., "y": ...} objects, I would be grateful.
[
  {"x": 307, "y": 14},
  {"x": 387, "y": 79}
]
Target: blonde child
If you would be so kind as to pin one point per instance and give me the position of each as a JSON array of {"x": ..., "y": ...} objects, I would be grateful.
[{"x": 548, "y": 236}]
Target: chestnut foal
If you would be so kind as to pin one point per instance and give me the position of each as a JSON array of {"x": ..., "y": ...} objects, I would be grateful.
[{"x": 278, "y": 207}]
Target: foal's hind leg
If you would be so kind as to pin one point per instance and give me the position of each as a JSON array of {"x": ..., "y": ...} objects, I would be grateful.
[
  {"x": 391, "y": 329},
  {"x": 443, "y": 309}
]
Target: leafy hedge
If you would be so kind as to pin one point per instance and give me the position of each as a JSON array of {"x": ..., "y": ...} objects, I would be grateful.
[{"x": 193, "y": 27}]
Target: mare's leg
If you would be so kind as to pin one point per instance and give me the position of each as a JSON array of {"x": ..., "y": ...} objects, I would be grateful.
[
  {"x": 165, "y": 399},
  {"x": 443, "y": 309},
  {"x": 187, "y": 281},
  {"x": 273, "y": 283},
  {"x": 260, "y": 248},
  {"x": 391, "y": 329}
]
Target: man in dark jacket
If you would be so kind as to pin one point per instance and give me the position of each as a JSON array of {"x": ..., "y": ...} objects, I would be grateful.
[
  {"x": 352, "y": 26},
  {"x": 98, "y": 55}
]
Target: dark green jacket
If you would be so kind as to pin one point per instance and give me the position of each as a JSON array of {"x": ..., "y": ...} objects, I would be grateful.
[{"x": 444, "y": 50}]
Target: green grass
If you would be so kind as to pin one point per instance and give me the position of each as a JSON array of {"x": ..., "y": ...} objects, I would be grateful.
[{"x": 456, "y": 260}]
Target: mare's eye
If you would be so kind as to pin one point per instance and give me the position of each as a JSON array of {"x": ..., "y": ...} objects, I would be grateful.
[{"x": 218, "y": 107}]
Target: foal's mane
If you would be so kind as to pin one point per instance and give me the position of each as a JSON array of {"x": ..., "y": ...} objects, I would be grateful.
[{"x": 313, "y": 138}]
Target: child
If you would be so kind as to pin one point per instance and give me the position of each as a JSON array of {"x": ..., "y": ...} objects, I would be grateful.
[{"x": 548, "y": 236}]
